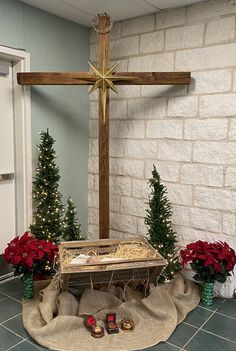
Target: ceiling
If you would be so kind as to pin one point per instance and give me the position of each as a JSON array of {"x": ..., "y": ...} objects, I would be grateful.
[{"x": 83, "y": 11}]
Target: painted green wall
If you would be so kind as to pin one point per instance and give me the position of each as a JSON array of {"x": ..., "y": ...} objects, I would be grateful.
[{"x": 55, "y": 44}]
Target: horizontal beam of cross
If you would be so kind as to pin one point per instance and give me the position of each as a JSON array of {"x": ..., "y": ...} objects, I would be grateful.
[{"x": 86, "y": 78}]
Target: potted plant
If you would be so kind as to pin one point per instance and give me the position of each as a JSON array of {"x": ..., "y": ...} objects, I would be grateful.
[
  {"x": 211, "y": 262},
  {"x": 30, "y": 256}
]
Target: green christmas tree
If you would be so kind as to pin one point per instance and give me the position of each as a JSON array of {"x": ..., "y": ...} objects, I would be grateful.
[
  {"x": 158, "y": 219},
  {"x": 47, "y": 199},
  {"x": 72, "y": 229}
]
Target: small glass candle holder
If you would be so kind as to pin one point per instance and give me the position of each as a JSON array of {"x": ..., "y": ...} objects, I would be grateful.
[
  {"x": 127, "y": 324},
  {"x": 97, "y": 331}
]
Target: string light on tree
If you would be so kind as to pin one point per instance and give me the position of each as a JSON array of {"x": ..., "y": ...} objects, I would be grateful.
[
  {"x": 49, "y": 209},
  {"x": 158, "y": 220}
]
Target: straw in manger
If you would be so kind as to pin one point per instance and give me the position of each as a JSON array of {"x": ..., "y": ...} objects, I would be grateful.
[{"x": 121, "y": 251}]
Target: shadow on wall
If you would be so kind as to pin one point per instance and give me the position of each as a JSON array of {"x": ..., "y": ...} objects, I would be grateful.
[
  {"x": 56, "y": 106},
  {"x": 157, "y": 92}
]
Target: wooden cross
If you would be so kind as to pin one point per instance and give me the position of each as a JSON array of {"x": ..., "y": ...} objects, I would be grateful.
[{"x": 104, "y": 78}]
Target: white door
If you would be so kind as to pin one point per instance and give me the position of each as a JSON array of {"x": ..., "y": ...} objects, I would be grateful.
[{"x": 7, "y": 158}]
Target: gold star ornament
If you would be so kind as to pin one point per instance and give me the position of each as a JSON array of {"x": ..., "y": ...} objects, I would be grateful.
[{"x": 105, "y": 78}]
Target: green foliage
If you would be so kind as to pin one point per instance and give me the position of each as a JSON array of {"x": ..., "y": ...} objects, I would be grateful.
[
  {"x": 207, "y": 273},
  {"x": 72, "y": 229},
  {"x": 158, "y": 220},
  {"x": 47, "y": 199}
]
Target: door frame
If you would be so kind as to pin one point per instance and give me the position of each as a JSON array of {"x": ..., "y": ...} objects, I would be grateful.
[{"x": 22, "y": 138}]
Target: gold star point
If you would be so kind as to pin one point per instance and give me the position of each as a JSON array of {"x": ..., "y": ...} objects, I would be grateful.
[{"x": 105, "y": 77}]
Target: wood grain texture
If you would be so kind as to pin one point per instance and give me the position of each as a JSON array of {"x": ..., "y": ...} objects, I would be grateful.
[
  {"x": 55, "y": 78},
  {"x": 104, "y": 58},
  {"x": 100, "y": 243},
  {"x": 102, "y": 278},
  {"x": 87, "y": 78},
  {"x": 155, "y": 78},
  {"x": 114, "y": 267}
]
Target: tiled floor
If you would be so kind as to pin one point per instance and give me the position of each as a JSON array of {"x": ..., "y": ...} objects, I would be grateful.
[
  {"x": 204, "y": 329},
  {"x": 4, "y": 267}
]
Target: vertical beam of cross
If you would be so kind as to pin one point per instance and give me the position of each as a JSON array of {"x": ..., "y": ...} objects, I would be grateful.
[{"x": 103, "y": 58}]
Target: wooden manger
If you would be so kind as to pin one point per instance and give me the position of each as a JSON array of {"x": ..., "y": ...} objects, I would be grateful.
[{"x": 119, "y": 270}]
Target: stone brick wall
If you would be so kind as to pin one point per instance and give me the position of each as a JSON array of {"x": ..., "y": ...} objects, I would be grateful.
[{"x": 189, "y": 133}]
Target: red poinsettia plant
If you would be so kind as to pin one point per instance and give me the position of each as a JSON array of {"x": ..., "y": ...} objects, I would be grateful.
[
  {"x": 27, "y": 254},
  {"x": 211, "y": 261}
]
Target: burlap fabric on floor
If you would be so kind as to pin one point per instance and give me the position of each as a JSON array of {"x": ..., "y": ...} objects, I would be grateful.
[{"x": 155, "y": 317}]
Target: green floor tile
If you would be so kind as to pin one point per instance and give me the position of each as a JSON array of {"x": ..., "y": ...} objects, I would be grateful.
[
  {"x": 11, "y": 287},
  {"x": 25, "y": 346},
  {"x": 16, "y": 325},
  {"x": 7, "y": 339},
  {"x": 198, "y": 316},
  {"x": 216, "y": 303},
  {"x": 4, "y": 267},
  {"x": 9, "y": 308},
  {"x": 2, "y": 296},
  {"x": 203, "y": 341},
  {"x": 18, "y": 296},
  {"x": 222, "y": 326},
  {"x": 182, "y": 334},
  {"x": 228, "y": 308}
]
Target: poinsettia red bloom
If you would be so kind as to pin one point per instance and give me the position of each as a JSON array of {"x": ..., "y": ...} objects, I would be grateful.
[
  {"x": 211, "y": 261},
  {"x": 28, "y": 258},
  {"x": 40, "y": 251},
  {"x": 14, "y": 243},
  {"x": 16, "y": 259},
  {"x": 12, "y": 256},
  {"x": 47, "y": 247},
  {"x": 27, "y": 254},
  {"x": 217, "y": 267}
]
